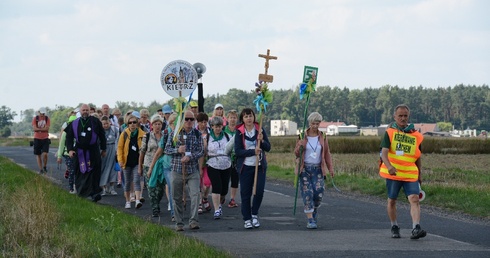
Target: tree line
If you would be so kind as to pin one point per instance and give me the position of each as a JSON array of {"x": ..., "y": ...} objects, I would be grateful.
[{"x": 461, "y": 106}]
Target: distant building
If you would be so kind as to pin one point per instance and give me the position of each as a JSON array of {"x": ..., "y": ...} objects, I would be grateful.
[
  {"x": 369, "y": 131},
  {"x": 424, "y": 128},
  {"x": 283, "y": 127},
  {"x": 342, "y": 130},
  {"x": 332, "y": 126}
]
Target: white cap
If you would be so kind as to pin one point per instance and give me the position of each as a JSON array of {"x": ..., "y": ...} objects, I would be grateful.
[
  {"x": 42, "y": 110},
  {"x": 218, "y": 105}
]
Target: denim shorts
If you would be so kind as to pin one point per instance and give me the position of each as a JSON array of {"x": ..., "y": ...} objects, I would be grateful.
[{"x": 394, "y": 187}]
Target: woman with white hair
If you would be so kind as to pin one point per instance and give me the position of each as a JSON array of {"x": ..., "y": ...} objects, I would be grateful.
[{"x": 315, "y": 161}]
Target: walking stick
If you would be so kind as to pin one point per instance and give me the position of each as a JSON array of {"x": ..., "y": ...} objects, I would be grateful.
[
  {"x": 301, "y": 137},
  {"x": 183, "y": 176},
  {"x": 257, "y": 146},
  {"x": 305, "y": 89}
]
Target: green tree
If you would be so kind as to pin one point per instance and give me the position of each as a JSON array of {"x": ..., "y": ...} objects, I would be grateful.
[
  {"x": 445, "y": 126},
  {"x": 6, "y": 117}
]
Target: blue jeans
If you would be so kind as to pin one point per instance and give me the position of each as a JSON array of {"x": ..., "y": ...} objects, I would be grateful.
[
  {"x": 246, "y": 190},
  {"x": 312, "y": 187}
]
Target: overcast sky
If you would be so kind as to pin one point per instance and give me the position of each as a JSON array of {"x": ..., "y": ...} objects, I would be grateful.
[{"x": 59, "y": 52}]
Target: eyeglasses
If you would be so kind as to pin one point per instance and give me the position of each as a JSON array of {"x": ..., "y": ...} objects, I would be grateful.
[
  {"x": 132, "y": 122},
  {"x": 189, "y": 119}
]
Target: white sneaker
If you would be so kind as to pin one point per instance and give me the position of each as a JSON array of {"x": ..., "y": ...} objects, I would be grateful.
[
  {"x": 138, "y": 204},
  {"x": 73, "y": 191},
  {"x": 128, "y": 205},
  {"x": 248, "y": 224},
  {"x": 112, "y": 191},
  {"x": 255, "y": 221},
  {"x": 104, "y": 193}
]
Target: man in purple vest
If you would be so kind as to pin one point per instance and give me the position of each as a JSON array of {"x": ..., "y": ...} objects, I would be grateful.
[{"x": 84, "y": 136}]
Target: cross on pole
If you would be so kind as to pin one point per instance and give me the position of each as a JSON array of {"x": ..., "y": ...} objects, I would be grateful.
[{"x": 265, "y": 77}]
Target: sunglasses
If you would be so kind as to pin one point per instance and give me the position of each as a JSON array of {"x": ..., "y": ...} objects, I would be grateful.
[
  {"x": 189, "y": 119},
  {"x": 132, "y": 122}
]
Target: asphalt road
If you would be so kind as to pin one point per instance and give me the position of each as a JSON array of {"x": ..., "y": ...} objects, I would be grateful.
[{"x": 349, "y": 225}]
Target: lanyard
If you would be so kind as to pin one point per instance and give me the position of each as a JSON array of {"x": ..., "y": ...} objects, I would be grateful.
[{"x": 311, "y": 146}]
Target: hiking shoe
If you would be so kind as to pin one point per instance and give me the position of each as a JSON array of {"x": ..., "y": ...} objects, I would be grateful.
[
  {"x": 417, "y": 232},
  {"x": 248, "y": 224},
  {"x": 206, "y": 205},
  {"x": 315, "y": 214},
  {"x": 217, "y": 214},
  {"x": 395, "y": 231},
  {"x": 194, "y": 225},
  {"x": 138, "y": 204},
  {"x": 232, "y": 204},
  {"x": 255, "y": 221},
  {"x": 128, "y": 205},
  {"x": 311, "y": 224},
  {"x": 179, "y": 228}
]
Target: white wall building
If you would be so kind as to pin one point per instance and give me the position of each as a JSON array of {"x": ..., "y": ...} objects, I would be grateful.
[
  {"x": 283, "y": 127},
  {"x": 341, "y": 129}
]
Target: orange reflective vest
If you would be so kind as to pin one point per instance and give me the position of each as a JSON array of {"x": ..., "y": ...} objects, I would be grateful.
[{"x": 404, "y": 151}]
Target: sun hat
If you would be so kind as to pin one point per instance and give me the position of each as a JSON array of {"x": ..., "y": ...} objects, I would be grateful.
[{"x": 156, "y": 118}]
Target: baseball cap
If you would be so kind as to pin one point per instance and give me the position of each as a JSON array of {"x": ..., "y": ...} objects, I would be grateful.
[
  {"x": 136, "y": 114},
  {"x": 166, "y": 109},
  {"x": 193, "y": 103},
  {"x": 218, "y": 106},
  {"x": 42, "y": 110}
]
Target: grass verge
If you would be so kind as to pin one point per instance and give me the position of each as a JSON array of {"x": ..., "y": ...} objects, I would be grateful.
[{"x": 38, "y": 219}]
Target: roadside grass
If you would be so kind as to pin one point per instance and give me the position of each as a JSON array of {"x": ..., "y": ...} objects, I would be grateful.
[
  {"x": 457, "y": 182},
  {"x": 38, "y": 219}
]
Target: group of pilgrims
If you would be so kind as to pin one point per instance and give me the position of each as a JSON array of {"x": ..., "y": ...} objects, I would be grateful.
[{"x": 191, "y": 161}]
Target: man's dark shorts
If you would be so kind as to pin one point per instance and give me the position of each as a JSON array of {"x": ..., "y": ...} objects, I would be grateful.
[{"x": 41, "y": 146}]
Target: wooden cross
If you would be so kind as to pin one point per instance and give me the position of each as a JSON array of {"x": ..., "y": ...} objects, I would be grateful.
[{"x": 265, "y": 77}]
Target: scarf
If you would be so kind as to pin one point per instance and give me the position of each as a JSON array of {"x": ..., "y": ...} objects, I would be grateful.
[{"x": 409, "y": 129}]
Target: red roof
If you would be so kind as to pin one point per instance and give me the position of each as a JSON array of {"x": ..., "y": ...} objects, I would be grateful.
[
  {"x": 324, "y": 124},
  {"x": 423, "y": 128}
]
